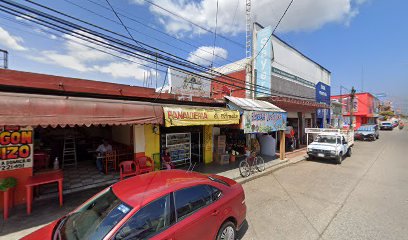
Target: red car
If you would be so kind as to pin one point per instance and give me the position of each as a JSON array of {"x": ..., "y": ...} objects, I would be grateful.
[{"x": 168, "y": 205}]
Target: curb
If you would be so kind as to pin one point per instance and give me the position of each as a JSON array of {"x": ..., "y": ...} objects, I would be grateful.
[{"x": 283, "y": 164}]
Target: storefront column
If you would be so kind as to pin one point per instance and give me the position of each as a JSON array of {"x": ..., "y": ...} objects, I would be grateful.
[
  {"x": 301, "y": 127},
  {"x": 282, "y": 145},
  {"x": 139, "y": 143},
  {"x": 208, "y": 144},
  {"x": 152, "y": 137},
  {"x": 314, "y": 121}
]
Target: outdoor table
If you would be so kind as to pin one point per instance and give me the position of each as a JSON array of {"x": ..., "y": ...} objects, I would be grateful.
[
  {"x": 7, "y": 201},
  {"x": 42, "y": 179}
]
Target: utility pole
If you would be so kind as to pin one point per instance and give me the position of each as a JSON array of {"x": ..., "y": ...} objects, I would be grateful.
[
  {"x": 352, "y": 96},
  {"x": 248, "y": 50}
]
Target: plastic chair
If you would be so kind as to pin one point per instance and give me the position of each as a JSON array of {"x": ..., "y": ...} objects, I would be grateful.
[
  {"x": 127, "y": 168},
  {"x": 143, "y": 165},
  {"x": 110, "y": 158}
]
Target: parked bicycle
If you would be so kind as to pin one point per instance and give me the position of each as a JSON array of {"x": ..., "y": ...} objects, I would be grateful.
[{"x": 250, "y": 164}]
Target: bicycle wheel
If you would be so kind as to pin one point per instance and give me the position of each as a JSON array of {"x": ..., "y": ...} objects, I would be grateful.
[
  {"x": 244, "y": 168},
  {"x": 259, "y": 163}
]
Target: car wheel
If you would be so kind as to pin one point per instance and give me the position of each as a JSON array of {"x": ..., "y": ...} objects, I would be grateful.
[
  {"x": 378, "y": 137},
  {"x": 339, "y": 159},
  {"x": 349, "y": 152},
  {"x": 227, "y": 231},
  {"x": 310, "y": 157}
]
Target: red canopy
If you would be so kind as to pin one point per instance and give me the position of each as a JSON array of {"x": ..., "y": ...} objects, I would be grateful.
[{"x": 44, "y": 110}]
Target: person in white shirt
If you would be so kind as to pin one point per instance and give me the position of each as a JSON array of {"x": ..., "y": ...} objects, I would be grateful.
[{"x": 101, "y": 151}]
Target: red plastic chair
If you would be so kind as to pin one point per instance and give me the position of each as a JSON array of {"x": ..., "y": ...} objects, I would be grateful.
[
  {"x": 110, "y": 158},
  {"x": 127, "y": 168},
  {"x": 145, "y": 164}
]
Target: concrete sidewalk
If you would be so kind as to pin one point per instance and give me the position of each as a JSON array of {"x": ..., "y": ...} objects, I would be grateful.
[{"x": 45, "y": 211}]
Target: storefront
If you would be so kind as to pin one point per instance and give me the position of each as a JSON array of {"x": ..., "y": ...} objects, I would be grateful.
[
  {"x": 365, "y": 109},
  {"x": 188, "y": 132},
  {"x": 260, "y": 122},
  {"x": 301, "y": 114},
  {"x": 36, "y": 130}
]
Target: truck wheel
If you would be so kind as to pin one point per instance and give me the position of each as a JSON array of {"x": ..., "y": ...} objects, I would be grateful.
[
  {"x": 349, "y": 152},
  {"x": 339, "y": 159}
]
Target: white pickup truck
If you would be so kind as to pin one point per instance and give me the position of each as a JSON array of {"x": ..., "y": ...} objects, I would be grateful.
[{"x": 329, "y": 143}]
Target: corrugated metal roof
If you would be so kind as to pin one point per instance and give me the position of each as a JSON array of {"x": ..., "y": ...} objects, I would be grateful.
[{"x": 254, "y": 105}]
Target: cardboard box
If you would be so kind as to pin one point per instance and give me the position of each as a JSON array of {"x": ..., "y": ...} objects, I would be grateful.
[
  {"x": 221, "y": 159},
  {"x": 220, "y": 150}
]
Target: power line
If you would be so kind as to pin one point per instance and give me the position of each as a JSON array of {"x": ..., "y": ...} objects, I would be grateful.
[
  {"x": 200, "y": 68},
  {"x": 193, "y": 23},
  {"x": 154, "y": 29},
  {"x": 286, "y": 10},
  {"x": 121, "y": 43},
  {"x": 215, "y": 34}
]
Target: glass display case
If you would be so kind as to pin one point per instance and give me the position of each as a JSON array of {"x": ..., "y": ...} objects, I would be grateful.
[{"x": 179, "y": 147}]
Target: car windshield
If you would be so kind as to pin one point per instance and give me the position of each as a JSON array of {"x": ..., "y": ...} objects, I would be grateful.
[
  {"x": 327, "y": 139},
  {"x": 94, "y": 219},
  {"x": 386, "y": 124}
]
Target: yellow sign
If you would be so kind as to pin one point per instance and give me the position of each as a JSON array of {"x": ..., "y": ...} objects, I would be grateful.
[{"x": 192, "y": 116}]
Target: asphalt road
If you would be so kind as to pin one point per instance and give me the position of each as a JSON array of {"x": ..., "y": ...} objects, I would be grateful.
[{"x": 366, "y": 197}]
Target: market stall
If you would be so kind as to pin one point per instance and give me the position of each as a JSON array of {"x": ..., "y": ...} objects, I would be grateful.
[{"x": 259, "y": 121}]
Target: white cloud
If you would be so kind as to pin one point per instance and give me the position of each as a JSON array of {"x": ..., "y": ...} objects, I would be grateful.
[
  {"x": 9, "y": 41},
  {"x": 204, "y": 55},
  {"x": 139, "y": 2},
  {"x": 76, "y": 55},
  {"x": 303, "y": 15},
  {"x": 124, "y": 70}
]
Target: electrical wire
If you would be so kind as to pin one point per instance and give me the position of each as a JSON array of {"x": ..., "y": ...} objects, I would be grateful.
[
  {"x": 200, "y": 69},
  {"x": 138, "y": 55},
  {"x": 193, "y": 23},
  {"x": 215, "y": 35},
  {"x": 283, "y": 15}
]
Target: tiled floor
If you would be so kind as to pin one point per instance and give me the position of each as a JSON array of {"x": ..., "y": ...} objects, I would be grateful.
[{"x": 85, "y": 176}]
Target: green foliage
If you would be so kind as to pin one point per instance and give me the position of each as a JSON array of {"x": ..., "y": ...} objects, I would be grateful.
[
  {"x": 7, "y": 183},
  {"x": 387, "y": 114}
]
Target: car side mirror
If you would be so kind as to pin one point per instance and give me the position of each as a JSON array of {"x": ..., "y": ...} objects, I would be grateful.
[{"x": 217, "y": 195}]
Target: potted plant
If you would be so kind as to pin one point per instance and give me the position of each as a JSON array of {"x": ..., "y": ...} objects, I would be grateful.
[{"x": 7, "y": 183}]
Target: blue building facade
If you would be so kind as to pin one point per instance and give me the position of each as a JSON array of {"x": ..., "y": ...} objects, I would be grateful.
[{"x": 323, "y": 96}]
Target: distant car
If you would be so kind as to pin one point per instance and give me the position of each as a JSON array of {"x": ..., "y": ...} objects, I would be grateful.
[
  {"x": 386, "y": 126},
  {"x": 395, "y": 123},
  {"x": 170, "y": 204},
  {"x": 367, "y": 132}
]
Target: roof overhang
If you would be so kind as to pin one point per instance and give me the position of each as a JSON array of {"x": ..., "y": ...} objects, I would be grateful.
[
  {"x": 290, "y": 104},
  {"x": 44, "y": 110}
]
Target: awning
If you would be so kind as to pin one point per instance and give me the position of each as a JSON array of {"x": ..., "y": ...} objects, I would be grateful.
[
  {"x": 43, "y": 110},
  {"x": 258, "y": 116},
  {"x": 295, "y": 104},
  {"x": 193, "y": 116},
  {"x": 253, "y": 104}
]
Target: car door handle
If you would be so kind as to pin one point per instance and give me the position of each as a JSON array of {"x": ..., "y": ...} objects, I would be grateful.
[{"x": 215, "y": 213}]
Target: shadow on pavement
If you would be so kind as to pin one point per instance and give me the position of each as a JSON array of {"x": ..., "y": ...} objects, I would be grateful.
[{"x": 44, "y": 211}]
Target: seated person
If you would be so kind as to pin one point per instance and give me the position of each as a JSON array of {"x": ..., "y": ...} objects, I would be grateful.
[
  {"x": 166, "y": 160},
  {"x": 101, "y": 151}
]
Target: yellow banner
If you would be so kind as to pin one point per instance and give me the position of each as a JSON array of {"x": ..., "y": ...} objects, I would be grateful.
[{"x": 199, "y": 116}]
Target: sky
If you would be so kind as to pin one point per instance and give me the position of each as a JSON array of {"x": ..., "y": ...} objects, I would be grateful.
[{"x": 362, "y": 42}]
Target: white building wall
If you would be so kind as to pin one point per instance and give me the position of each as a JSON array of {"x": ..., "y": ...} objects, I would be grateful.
[{"x": 289, "y": 60}]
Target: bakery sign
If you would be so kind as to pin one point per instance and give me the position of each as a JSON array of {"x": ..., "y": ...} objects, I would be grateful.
[
  {"x": 16, "y": 148},
  {"x": 195, "y": 116}
]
